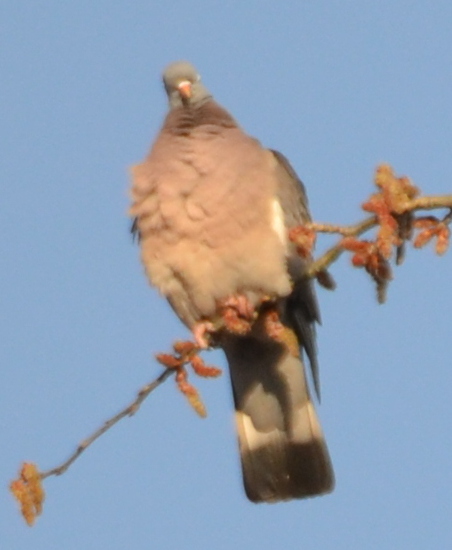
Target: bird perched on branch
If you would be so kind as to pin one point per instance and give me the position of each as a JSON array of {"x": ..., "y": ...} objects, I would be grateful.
[{"x": 213, "y": 209}]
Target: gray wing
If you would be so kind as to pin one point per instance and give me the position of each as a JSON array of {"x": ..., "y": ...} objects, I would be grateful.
[{"x": 301, "y": 307}]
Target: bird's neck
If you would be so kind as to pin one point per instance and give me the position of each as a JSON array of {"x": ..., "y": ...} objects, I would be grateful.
[{"x": 184, "y": 119}]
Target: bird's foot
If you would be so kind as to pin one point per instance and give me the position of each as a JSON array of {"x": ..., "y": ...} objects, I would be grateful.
[
  {"x": 201, "y": 333},
  {"x": 237, "y": 313}
]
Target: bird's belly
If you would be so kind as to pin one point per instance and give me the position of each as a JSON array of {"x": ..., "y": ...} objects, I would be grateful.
[{"x": 198, "y": 271}]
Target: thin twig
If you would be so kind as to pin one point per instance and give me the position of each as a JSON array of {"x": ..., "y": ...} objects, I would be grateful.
[
  {"x": 130, "y": 410},
  {"x": 345, "y": 230},
  {"x": 430, "y": 202},
  {"x": 328, "y": 257}
]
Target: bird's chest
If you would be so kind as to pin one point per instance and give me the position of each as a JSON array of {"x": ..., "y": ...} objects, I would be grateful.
[{"x": 195, "y": 185}]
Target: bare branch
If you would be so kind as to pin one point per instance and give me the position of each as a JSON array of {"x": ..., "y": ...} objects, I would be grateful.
[{"x": 130, "y": 410}]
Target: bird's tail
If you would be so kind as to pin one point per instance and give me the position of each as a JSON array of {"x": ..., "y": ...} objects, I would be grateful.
[{"x": 282, "y": 448}]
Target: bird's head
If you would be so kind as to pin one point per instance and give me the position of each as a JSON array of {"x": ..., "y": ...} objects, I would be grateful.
[{"x": 183, "y": 85}]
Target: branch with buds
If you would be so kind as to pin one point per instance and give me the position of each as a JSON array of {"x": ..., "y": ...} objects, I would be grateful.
[
  {"x": 397, "y": 219},
  {"x": 393, "y": 208}
]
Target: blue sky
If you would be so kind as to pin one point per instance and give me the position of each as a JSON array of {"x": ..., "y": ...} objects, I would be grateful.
[{"x": 336, "y": 86}]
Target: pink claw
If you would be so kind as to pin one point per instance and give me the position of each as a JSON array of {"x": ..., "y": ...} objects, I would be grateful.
[{"x": 199, "y": 331}]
